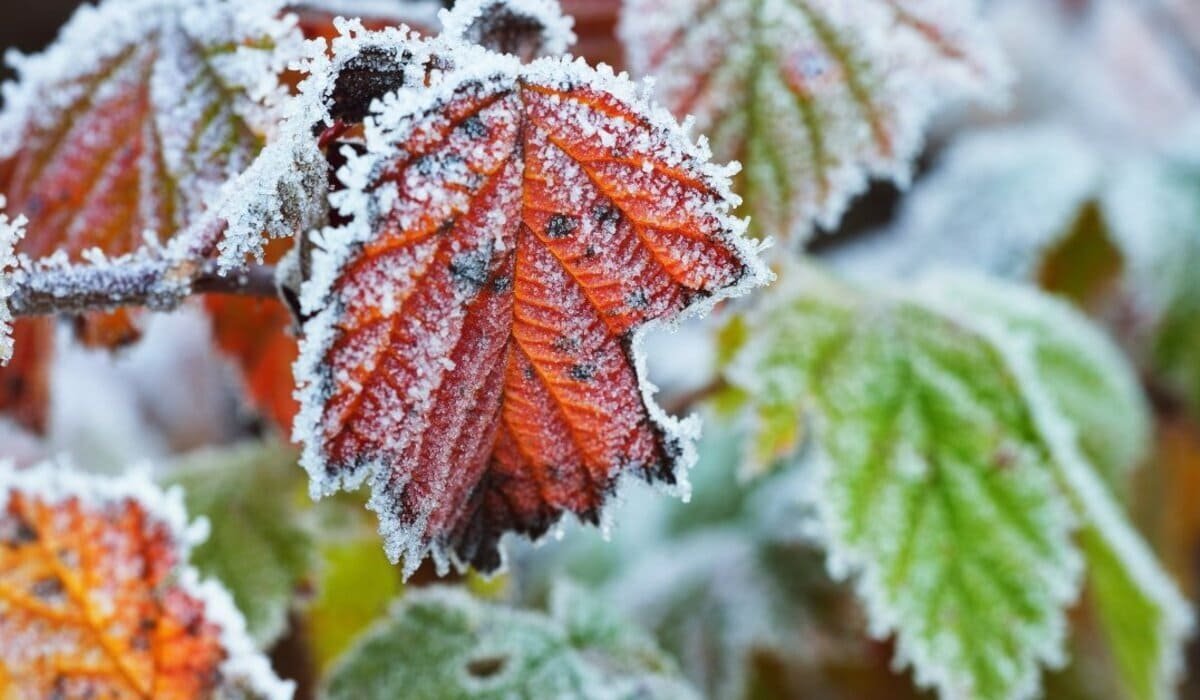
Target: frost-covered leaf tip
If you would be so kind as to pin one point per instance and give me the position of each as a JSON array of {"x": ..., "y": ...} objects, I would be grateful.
[
  {"x": 473, "y": 332},
  {"x": 97, "y": 600},
  {"x": 812, "y": 96},
  {"x": 10, "y": 233}
]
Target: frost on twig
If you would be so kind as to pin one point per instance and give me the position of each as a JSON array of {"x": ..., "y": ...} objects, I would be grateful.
[
  {"x": 10, "y": 232},
  {"x": 55, "y": 286}
]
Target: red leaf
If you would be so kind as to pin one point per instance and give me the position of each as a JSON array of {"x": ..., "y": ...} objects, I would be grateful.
[
  {"x": 96, "y": 599},
  {"x": 474, "y": 345}
]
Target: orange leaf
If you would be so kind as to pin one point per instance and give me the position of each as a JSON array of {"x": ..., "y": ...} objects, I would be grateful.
[
  {"x": 25, "y": 380},
  {"x": 96, "y": 601},
  {"x": 255, "y": 333},
  {"x": 474, "y": 343}
]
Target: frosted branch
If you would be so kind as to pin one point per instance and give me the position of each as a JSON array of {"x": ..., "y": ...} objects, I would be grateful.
[{"x": 158, "y": 284}]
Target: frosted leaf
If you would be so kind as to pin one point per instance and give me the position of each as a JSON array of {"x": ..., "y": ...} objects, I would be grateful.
[
  {"x": 1093, "y": 386},
  {"x": 1144, "y": 617},
  {"x": 127, "y": 126},
  {"x": 258, "y": 547},
  {"x": 473, "y": 333},
  {"x": 101, "y": 601},
  {"x": 11, "y": 233},
  {"x": 439, "y": 643},
  {"x": 527, "y": 28},
  {"x": 812, "y": 96},
  {"x": 934, "y": 488},
  {"x": 1153, "y": 211},
  {"x": 999, "y": 200}
]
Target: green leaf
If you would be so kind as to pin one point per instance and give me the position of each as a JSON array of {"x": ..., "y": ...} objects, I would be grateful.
[
  {"x": 441, "y": 644},
  {"x": 1144, "y": 617},
  {"x": 934, "y": 485},
  {"x": 355, "y": 584},
  {"x": 811, "y": 97},
  {"x": 1090, "y": 382},
  {"x": 259, "y": 546}
]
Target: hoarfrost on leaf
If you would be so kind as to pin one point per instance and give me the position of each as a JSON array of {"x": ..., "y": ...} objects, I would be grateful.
[
  {"x": 812, "y": 96},
  {"x": 936, "y": 490},
  {"x": 440, "y": 642},
  {"x": 474, "y": 329},
  {"x": 129, "y": 124},
  {"x": 100, "y": 601},
  {"x": 1144, "y": 617}
]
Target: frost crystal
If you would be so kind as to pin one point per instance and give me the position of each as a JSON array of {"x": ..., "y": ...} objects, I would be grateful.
[
  {"x": 813, "y": 96},
  {"x": 10, "y": 233},
  {"x": 496, "y": 264},
  {"x": 57, "y": 482}
]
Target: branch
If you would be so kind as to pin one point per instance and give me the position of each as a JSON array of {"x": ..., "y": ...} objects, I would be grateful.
[{"x": 158, "y": 284}]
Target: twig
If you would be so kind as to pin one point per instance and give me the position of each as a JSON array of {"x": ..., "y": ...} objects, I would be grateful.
[{"x": 158, "y": 284}]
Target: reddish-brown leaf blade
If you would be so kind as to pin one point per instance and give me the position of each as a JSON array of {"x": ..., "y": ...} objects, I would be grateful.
[
  {"x": 96, "y": 600},
  {"x": 473, "y": 348}
]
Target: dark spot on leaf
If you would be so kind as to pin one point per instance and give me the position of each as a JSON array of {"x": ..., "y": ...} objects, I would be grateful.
[
  {"x": 561, "y": 226},
  {"x": 582, "y": 372},
  {"x": 16, "y": 532},
  {"x": 637, "y": 300},
  {"x": 501, "y": 284},
  {"x": 48, "y": 587},
  {"x": 590, "y": 252},
  {"x": 470, "y": 269},
  {"x": 474, "y": 127},
  {"x": 486, "y": 666},
  {"x": 605, "y": 213}
]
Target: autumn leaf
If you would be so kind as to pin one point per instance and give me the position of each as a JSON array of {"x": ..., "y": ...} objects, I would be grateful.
[
  {"x": 120, "y": 133},
  {"x": 96, "y": 598},
  {"x": 473, "y": 329},
  {"x": 812, "y": 96}
]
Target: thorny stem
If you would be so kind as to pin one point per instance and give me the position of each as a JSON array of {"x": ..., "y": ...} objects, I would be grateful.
[{"x": 158, "y": 284}]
